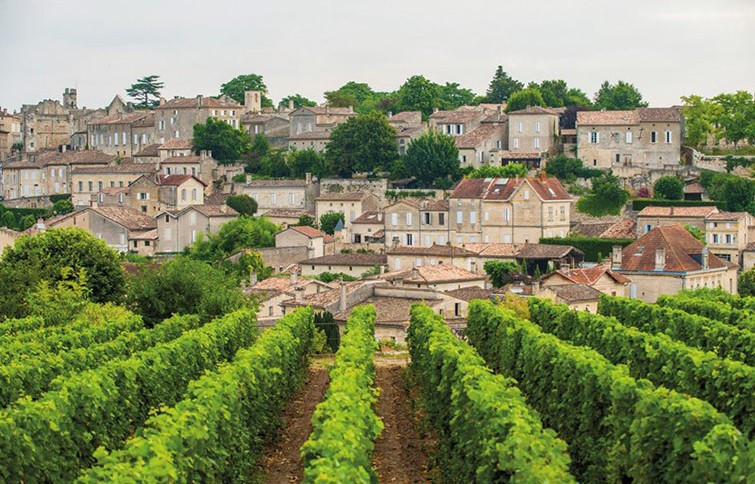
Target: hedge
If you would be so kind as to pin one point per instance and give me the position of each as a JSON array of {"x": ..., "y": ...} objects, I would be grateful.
[
  {"x": 591, "y": 246},
  {"x": 618, "y": 428},
  {"x": 640, "y": 203},
  {"x": 344, "y": 425},
  {"x": 703, "y": 333},
  {"x": 217, "y": 432},
  {"x": 50, "y": 439},
  {"x": 726, "y": 384},
  {"x": 486, "y": 430}
]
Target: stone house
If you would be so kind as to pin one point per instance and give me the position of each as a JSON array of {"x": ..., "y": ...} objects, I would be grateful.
[
  {"x": 403, "y": 257},
  {"x": 274, "y": 290},
  {"x": 309, "y": 140},
  {"x": 122, "y": 134},
  {"x": 477, "y": 146},
  {"x": 508, "y": 210},
  {"x": 350, "y": 204},
  {"x": 317, "y": 243},
  {"x": 404, "y": 137},
  {"x": 58, "y": 167},
  {"x": 22, "y": 179},
  {"x": 728, "y": 234},
  {"x": 599, "y": 277},
  {"x": 152, "y": 194},
  {"x": 669, "y": 259},
  {"x": 443, "y": 277},
  {"x": 281, "y": 194},
  {"x": 10, "y": 133},
  {"x": 417, "y": 222},
  {"x": 275, "y": 126},
  {"x": 308, "y": 119},
  {"x": 175, "y": 148},
  {"x": 578, "y": 297},
  {"x": 46, "y": 125},
  {"x": 651, "y": 217},
  {"x": 645, "y": 137},
  {"x": 178, "y": 229},
  {"x": 176, "y": 118},
  {"x": 457, "y": 122},
  {"x": 534, "y": 129},
  {"x": 368, "y": 228},
  {"x": 351, "y": 264},
  {"x": 88, "y": 180},
  {"x": 8, "y": 238}
]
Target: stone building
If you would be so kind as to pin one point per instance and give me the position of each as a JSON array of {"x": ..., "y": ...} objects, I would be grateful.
[
  {"x": 289, "y": 195},
  {"x": 44, "y": 126},
  {"x": 317, "y": 243},
  {"x": 176, "y": 118},
  {"x": 88, "y": 180},
  {"x": 308, "y": 119},
  {"x": 152, "y": 194},
  {"x": 350, "y": 204},
  {"x": 351, "y": 264},
  {"x": 275, "y": 126},
  {"x": 599, "y": 277},
  {"x": 122, "y": 134},
  {"x": 650, "y": 217},
  {"x": 417, "y": 222},
  {"x": 533, "y": 133},
  {"x": 178, "y": 229},
  {"x": 310, "y": 140},
  {"x": 645, "y": 137},
  {"x": 10, "y": 134}
]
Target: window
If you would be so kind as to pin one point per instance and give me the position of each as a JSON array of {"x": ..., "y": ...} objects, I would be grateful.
[
  {"x": 427, "y": 241},
  {"x": 563, "y": 214},
  {"x": 352, "y": 215},
  {"x": 537, "y": 127},
  {"x": 120, "y": 198},
  {"x": 487, "y": 216},
  {"x": 99, "y": 185},
  {"x": 550, "y": 214},
  {"x": 506, "y": 214},
  {"x": 183, "y": 194},
  {"x": 668, "y": 136},
  {"x": 459, "y": 239},
  {"x": 648, "y": 228},
  {"x": 274, "y": 199},
  {"x": 136, "y": 139},
  {"x": 459, "y": 129},
  {"x": 394, "y": 219},
  {"x": 526, "y": 194},
  {"x": 192, "y": 218},
  {"x": 102, "y": 198},
  {"x": 418, "y": 262},
  {"x": 142, "y": 196},
  {"x": 292, "y": 199},
  {"x": 459, "y": 217},
  {"x": 472, "y": 218},
  {"x": 441, "y": 240},
  {"x": 409, "y": 239},
  {"x": 409, "y": 219},
  {"x": 628, "y": 137},
  {"x": 255, "y": 196},
  {"x": 715, "y": 238},
  {"x": 516, "y": 143},
  {"x": 175, "y": 134},
  {"x": 427, "y": 218},
  {"x": 396, "y": 265},
  {"x": 81, "y": 186},
  {"x": 473, "y": 239},
  {"x": 194, "y": 194},
  {"x": 653, "y": 137},
  {"x": 728, "y": 239},
  {"x": 536, "y": 143},
  {"x": 90, "y": 185},
  {"x": 115, "y": 141},
  {"x": 172, "y": 120},
  {"x": 507, "y": 239},
  {"x": 519, "y": 127},
  {"x": 123, "y": 138},
  {"x": 594, "y": 137},
  {"x": 441, "y": 218},
  {"x": 166, "y": 232}
]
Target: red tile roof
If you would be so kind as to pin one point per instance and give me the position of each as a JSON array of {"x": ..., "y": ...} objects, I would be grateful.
[
  {"x": 177, "y": 180},
  {"x": 651, "y": 211},
  {"x": 307, "y": 231},
  {"x": 203, "y": 101},
  {"x": 534, "y": 110},
  {"x": 727, "y": 216},
  {"x": 680, "y": 247},
  {"x": 177, "y": 144},
  {"x": 348, "y": 260},
  {"x": 433, "y": 274},
  {"x": 548, "y": 189},
  {"x": 591, "y": 275}
]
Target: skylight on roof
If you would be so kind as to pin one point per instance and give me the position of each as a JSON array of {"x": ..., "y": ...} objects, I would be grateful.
[{"x": 550, "y": 190}]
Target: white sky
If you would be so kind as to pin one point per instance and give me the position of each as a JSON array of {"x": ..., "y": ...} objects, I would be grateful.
[{"x": 666, "y": 48}]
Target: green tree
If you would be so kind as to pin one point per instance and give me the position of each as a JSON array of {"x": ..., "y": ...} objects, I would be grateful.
[
  {"x": 274, "y": 165},
  {"x": 8, "y": 219},
  {"x": 668, "y": 188},
  {"x": 577, "y": 97},
  {"x": 501, "y": 272},
  {"x": 738, "y": 193},
  {"x": 43, "y": 257},
  {"x": 522, "y": 99},
  {"x": 299, "y": 101},
  {"x": 696, "y": 233},
  {"x": 432, "y": 156},
  {"x": 326, "y": 323},
  {"x": 60, "y": 303},
  {"x": 555, "y": 92},
  {"x": 605, "y": 198},
  {"x": 183, "y": 286},
  {"x": 243, "y": 204},
  {"x": 62, "y": 206},
  {"x": 329, "y": 220},
  {"x": 419, "y": 94},
  {"x": 700, "y": 119},
  {"x": 746, "y": 283},
  {"x": 563, "y": 167},
  {"x": 26, "y": 222},
  {"x": 241, "y": 233},
  {"x": 619, "y": 96},
  {"x": 365, "y": 143},
  {"x": 511, "y": 170},
  {"x": 260, "y": 148},
  {"x": 359, "y": 95},
  {"x": 146, "y": 91},
  {"x": 226, "y": 142},
  {"x": 236, "y": 87},
  {"x": 305, "y": 220},
  {"x": 307, "y": 161},
  {"x": 501, "y": 87},
  {"x": 452, "y": 96},
  {"x": 736, "y": 116}
]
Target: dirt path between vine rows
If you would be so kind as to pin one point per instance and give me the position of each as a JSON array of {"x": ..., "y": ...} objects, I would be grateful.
[
  {"x": 281, "y": 462},
  {"x": 399, "y": 452}
]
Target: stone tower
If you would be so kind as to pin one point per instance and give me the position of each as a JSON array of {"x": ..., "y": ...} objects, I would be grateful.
[
  {"x": 252, "y": 101},
  {"x": 69, "y": 98}
]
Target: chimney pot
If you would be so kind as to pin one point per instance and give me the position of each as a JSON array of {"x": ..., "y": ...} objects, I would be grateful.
[
  {"x": 294, "y": 277},
  {"x": 199, "y": 101},
  {"x": 616, "y": 257},
  {"x": 660, "y": 259},
  {"x": 342, "y": 300}
]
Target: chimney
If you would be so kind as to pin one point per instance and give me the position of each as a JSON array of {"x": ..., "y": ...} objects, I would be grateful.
[
  {"x": 705, "y": 258},
  {"x": 542, "y": 176},
  {"x": 248, "y": 178},
  {"x": 199, "y": 101},
  {"x": 351, "y": 109},
  {"x": 327, "y": 109},
  {"x": 435, "y": 110},
  {"x": 390, "y": 114},
  {"x": 380, "y": 217},
  {"x": 660, "y": 259},
  {"x": 294, "y": 277},
  {"x": 299, "y": 295},
  {"x": 342, "y": 299},
  {"x": 290, "y": 104},
  {"x": 308, "y": 178},
  {"x": 616, "y": 257},
  {"x": 162, "y": 100},
  {"x": 535, "y": 288},
  {"x": 382, "y": 269}
]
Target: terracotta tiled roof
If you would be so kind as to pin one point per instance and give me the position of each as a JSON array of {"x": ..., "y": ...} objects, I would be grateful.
[
  {"x": 326, "y": 298},
  {"x": 727, "y": 216},
  {"x": 659, "y": 115},
  {"x": 591, "y": 229},
  {"x": 281, "y": 284},
  {"x": 177, "y": 144},
  {"x": 149, "y": 150},
  {"x": 409, "y": 132},
  {"x": 457, "y": 116},
  {"x": 216, "y": 198},
  {"x": 548, "y": 189},
  {"x": 470, "y": 293},
  {"x": 213, "y": 210},
  {"x": 694, "y": 187},
  {"x": 125, "y": 167},
  {"x": 591, "y": 275},
  {"x": 389, "y": 310},
  {"x": 623, "y": 229},
  {"x": 204, "y": 101},
  {"x": 348, "y": 260},
  {"x": 651, "y": 211},
  {"x": 426, "y": 205},
  {"x": 307, "y": 231},
  {"x": 311, "y": 135},
  {"x": 478, "y": 136},
  {"x": 607, "y": 118},
  {"x": 328, "y": 110},
  {"x": 494, "y": 250},
  {"x": 146, "y": 235},
  {"x": 141, "y": 117},
  {"x": 84, "y": 157},
  {"x": 433, "y": 274},
  {"x": 277, "y": 183},
  {"x": 522, "y": 251},
  {"x": 128, "y": 217},
  {"x": 575, "y": 292},
  {"x": 181, "y": 160},
  {"x": 404, "y": 116},
  {"x": 369, "y": 218},
  {"x": 682, "y": 251},
  {"x": 534, "y": 110},
  {"x": 177, "y": 180},
  {"x": 433, "y": 250},
  {"x": 347, "y": 196}
]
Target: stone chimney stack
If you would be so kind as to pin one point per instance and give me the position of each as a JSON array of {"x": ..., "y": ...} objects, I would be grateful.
[
  {"x": 253, "y": 101},
  {"x": 294, "y": 277},
  {"x": 290, "y": 104},
  {"x": 162, "y": 100},
  {"x": 660, "y": 259},
  {"x": 380, "y": 217},
  {"x": 308, "y": 178},
  {"x": 705, "y": 258},
  {"x": 616, "y": 257},
  {"x": 299, "y": 295},
  {"x": 199, "y": 101},
  {"x": 342, "y": 300}
]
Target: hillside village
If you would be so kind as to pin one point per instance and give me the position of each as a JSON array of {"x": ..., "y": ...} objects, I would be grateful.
[{"x": 136, "y": 180}]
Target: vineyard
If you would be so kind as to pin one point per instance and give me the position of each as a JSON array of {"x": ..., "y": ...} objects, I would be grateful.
[{"x": 638, "y": 392}]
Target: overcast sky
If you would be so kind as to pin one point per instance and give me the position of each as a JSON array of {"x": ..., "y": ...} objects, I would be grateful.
[{"x": 666, "y": 48}]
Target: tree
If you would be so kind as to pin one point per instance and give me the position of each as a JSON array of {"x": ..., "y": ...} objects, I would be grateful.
[
  {"x": 43, "y": 257},
  {"x": 305, "y": 220},
  {"x": 243, "y": 204},
  {"x": 26, "y": 222},
  {"x": 365, "y": 143},
  {"x": 226, "y": 142},
  {"x": 605, "y": 198},
  {"x": 62, "y": 206},
  {"x": 147, "y": 91},
  {"x": 564, "y": 168},
  {"x": 307, "y": 161},
  {"x": 452, "y": 96},
  {"x": 241, "y": 233},
  {"x": 738, "y": 193},
  {"x": 736, "y": 116},
  {"x": 696, "y": 233},
  {"x": 260, "y": 148},
  {"x": 60, "y": 303},
  {"x": 432, "y": 156},
  {"x": 701, "y": 117},
  {"x": 522, "y": 99},
  {"x": 328, "y": 221},
  {"x": 236, "y": 87},
  {"x": 577, "y": 97},
  {"x": 355, "y": 94},
  {"x": 419, "y": 94},
  {"x": 501, "y": 272},
  {"x": 501, "y": 87},
  {"x": 326, "y": 323},
  {"x": 668, "y": 188},
  {"x": 619, "y": 96},
  {"x": 274, "y": 165},
  {"x": 183, "y": 286},
  {"x": 746, "y": 283},
  {"x": 511, "y": 170},
  {"x": 298, "y": 100},
  {"x": 8, "y": 219}
]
